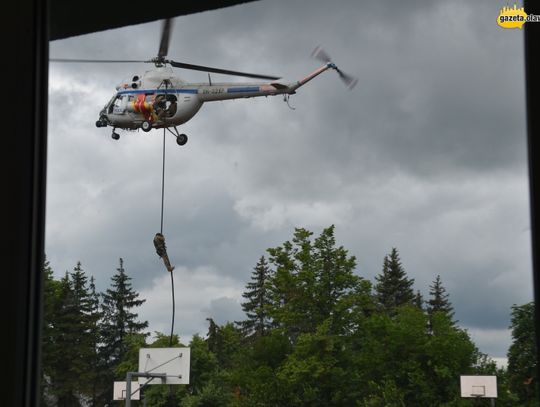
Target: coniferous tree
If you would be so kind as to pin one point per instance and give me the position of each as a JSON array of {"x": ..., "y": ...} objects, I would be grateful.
[
  {"x": 325, "y": 341},
  {"x": 118, "y": 318},
  {"x": 393, "y": 288},
  {"x": 522, "y": 355},
  {"x": 257, "y": 302},
  {"x": 212, "y": 338},
  {"x": 438, "y": 301},
  {"x": 419, "y": 300},
  {"x": 64, "y": 382},
  {"x": 96, "y": 364},
  {"x": 49, "y": 330},
  {"x": 118, "y": 321},
  {"x": 85, "y": 319},
  {"x": 223, "y": 341},
  {"x": 68, "y": 338}
]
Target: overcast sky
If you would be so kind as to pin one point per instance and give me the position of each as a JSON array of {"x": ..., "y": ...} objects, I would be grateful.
[{"x": 427, "y": 154}]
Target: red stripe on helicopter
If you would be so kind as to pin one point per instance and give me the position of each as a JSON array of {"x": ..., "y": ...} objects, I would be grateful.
[{"x": 140, "y": 105}]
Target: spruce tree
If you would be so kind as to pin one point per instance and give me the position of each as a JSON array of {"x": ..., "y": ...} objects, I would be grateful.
[
  {"x": 419, "y": 300},
  {"x": 438, "y": 301},
  {"x": 393, "y": 288},
  {"x": 212, "y": 338},
  {"x": 68, "y": 338},
  {"x": 257, "y": 297},
  {"x": 64, "y": 363},
  {"x": 51, "y": 289},
  {"x": 118, "y": 321},
  {"x": 85, "y": 319},
  {"x": 96, "y": 364}
]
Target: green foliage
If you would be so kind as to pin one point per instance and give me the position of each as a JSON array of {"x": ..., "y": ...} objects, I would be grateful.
[
  {"x": 49, "y": 334},
  {"x": 398, "y": 350},
  {"x": 254, "y": 376},
  {"x": 313, "y": 281},
  {"x": 315, "y": 335},
  {"x": 130, "y": 358},
  {"x": 118, "y": 318},
  {"x": 439, "y": 300},
  {"x": 257, "y": 302},
  {"x": 211, "y": 395},
  {"x": 118, "y": 322},
  {"x": 204, "y": 364},
  {"x": 76, "y": 360},
  {"x": 317, "y": 372},
  {"x": 419, "y": 300},
  {"x": 69, "y": 338},
  {"x": 386, "y": 394},
  {"x": 223, "y": 341},
  {"x": 522, "y": 355},
  {"x": 394, "y": 288}
]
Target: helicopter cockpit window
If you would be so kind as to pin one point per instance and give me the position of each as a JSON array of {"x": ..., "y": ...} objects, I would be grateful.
[{"x": 118, "y": 106}]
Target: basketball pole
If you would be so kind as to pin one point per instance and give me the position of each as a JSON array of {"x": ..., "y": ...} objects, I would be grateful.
[{"x": 131, "y": 375}]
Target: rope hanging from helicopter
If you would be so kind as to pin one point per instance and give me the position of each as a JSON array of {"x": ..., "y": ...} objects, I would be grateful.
[
  {"x": 159, "y": 239},
  {"x": 161, "y": 229}
]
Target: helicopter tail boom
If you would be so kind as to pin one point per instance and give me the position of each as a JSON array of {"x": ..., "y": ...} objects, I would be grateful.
[
  {"x": 312, "y": 75},
  {"x": 230, "y": 91}
]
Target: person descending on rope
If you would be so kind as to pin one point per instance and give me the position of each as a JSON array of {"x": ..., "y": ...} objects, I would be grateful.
[{"x": 161, "y": 250}]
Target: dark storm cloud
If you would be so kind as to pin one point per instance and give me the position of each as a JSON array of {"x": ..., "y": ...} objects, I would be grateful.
[{"x": 427, "y": 154}]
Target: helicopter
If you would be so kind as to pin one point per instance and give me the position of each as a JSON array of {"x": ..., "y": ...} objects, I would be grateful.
[{"x": 158, "y": 99}]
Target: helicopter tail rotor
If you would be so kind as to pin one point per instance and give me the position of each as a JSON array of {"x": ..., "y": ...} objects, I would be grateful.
[
  {"x": 320, "y": 54},
  {"x": 348, "y": 80}
]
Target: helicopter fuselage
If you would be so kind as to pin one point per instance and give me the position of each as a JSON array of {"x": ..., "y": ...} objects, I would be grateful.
[{"x": 158, "y": 99}]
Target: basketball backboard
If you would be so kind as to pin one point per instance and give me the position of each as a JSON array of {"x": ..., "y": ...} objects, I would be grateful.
[
  {"x": 174, "y": 362},
  {"x": 119, "y": 391},
  {"x": 479, "y": 387}
]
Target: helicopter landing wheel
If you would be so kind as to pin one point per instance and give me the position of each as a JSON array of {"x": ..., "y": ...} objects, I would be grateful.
[
  {"x": 115, "y": 136},
  {"x": 181, "y": 139},
  {"x": 146, "y": 126}
]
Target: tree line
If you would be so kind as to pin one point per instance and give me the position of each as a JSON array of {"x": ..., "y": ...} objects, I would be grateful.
[{"x": 315, "y": 333}]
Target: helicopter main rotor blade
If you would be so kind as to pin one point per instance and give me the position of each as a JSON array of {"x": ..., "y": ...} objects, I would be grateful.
[
  {"x": 218, "y": 70},
  {"x": 165, "y": 37},
  {"x": 94, "y": 60}
]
